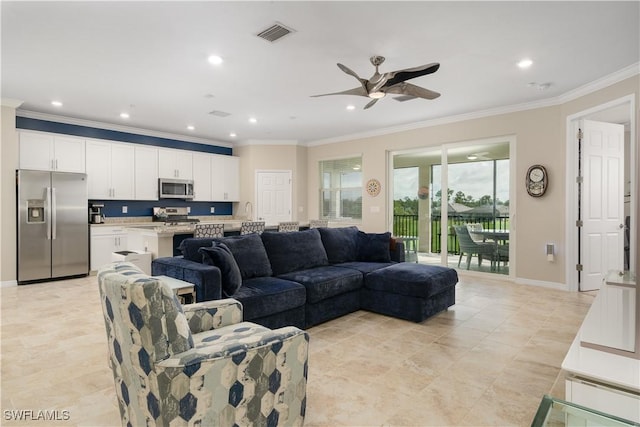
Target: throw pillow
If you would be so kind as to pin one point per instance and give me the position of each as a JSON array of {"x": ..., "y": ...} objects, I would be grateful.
[
  {"x": 341, "y": 244},
  {"x": 374, "y": 247},
  {"x": 249, "y": 254},
  {"x": 220, "y": 256},
  {"x": 294, "y": 251},
  {"x": 189, "y": 247}
]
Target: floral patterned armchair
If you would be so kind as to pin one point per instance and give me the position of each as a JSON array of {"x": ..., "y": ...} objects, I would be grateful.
[{"x": 197, "y": 364}]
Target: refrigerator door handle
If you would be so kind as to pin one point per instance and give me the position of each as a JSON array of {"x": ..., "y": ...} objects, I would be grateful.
[
  {"x": 54, "y": 216},
  {"x": 47, "y": 206}
]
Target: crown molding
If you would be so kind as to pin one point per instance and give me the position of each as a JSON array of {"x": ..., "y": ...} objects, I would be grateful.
[
  {"x": 250, "y": 142},
  {"x": 118, "y": 128},
  {"x": 594, "y": 86},
  {"x": 9, "y": 102}
]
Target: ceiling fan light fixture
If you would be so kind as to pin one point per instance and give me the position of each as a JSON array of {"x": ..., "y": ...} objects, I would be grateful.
[{"x": 377, "y": 95}]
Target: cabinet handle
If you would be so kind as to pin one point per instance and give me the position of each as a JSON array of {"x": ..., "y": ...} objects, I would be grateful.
[
  {"x": 53, "y": 164},
  {"x": 56, "y": 164}
]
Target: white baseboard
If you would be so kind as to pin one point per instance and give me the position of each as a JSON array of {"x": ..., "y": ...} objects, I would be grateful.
[
  {"x": 8, "y": 283},
  {"x": 541, "y": 283}
]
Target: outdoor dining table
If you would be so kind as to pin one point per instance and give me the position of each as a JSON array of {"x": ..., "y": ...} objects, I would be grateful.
[{"x": 496, "y": 235}]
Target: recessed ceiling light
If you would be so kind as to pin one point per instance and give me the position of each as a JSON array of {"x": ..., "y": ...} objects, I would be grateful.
[
  {"x": 124, "y": 115},
  {"x": 253, "y": 120},
  {"x": 472, "y": 157},
  {"x": 215, "y": 60},
  {"x": 525, "y": 63},
  {"x": 351, "y": 107},
  {"x": 191, "y": 127},
  {"x": 56, "y": 103},
  {"x": 232, "y": 135}
]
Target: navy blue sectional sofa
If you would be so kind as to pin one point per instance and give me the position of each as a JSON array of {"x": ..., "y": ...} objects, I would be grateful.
[{"x": 307, "y": 277}]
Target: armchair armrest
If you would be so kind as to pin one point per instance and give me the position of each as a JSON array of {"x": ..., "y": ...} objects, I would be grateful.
[
  {"x": 219, "y": 384},
  {"x": 204, "y": 316}
]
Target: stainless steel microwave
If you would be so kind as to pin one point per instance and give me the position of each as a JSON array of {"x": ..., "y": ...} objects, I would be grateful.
[{"x": 175, "y": 188}]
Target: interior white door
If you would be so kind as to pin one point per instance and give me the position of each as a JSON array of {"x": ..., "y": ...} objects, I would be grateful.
[
  {"x": 273, "y": 190},
  {"x": 602, "y": 202}
]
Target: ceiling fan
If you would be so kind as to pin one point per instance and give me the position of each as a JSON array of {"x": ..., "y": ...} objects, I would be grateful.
[{"x": 393, "y": 82}]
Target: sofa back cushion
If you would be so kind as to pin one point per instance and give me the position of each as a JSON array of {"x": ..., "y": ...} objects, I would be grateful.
[
  {"x": 341, "y": 243},
  {"x": 249, "y": 253},
  {"x": 374, "y": 247},
  {"x": 220, "y": 256},
  {"x": 294, "y": 251},
  {"x": 190, "y": 246}
]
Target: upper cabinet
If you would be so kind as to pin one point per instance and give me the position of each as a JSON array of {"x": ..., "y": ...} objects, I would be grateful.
[
  {"x": 146, "y": 172},
  {"x": 175, "y": 164},
  {"x": 202, "y": 177},
  {"x": 111, "y": 170},
  {"x": 225, "y": 178},
  {"x": 51, "y": 152}
]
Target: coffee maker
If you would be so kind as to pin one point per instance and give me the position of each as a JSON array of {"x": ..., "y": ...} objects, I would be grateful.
[{"x": 95, "y": 213}]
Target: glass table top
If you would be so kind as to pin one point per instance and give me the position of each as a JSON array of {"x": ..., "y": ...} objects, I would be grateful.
[{"x": 554, "y": 412}]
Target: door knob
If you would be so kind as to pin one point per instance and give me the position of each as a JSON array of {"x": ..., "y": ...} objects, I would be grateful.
[{"x": 621, "y": 226}]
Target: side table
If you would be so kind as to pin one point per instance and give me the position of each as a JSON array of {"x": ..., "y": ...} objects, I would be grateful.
[{"x": 184, "y": 290}]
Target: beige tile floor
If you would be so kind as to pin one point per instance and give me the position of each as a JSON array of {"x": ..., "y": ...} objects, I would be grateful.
[{"x": 486, "y": 361}]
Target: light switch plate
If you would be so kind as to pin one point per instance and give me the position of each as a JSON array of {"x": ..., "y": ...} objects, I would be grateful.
[{"x": 213, "y": 210}]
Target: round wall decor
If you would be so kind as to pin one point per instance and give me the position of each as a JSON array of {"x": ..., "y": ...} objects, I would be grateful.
[{"x": 373, "y": 187}]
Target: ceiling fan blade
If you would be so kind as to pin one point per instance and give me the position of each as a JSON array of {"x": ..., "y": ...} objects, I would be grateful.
[
  {"x": 347, "y": 70},
  {"x": 395, "y": 77},
  {"x": 413, "y": 90},
  {"x": 355, "y": 91},
  {"x": 370, "y": 103}
]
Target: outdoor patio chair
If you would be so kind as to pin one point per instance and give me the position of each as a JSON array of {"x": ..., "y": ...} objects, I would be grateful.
[{"x": 471, "y": 248}]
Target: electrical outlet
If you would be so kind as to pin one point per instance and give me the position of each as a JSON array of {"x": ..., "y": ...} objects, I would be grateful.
[
  {"x": 125, "y": 209},
  {"x": 213, "y": 210},
  {"x": 188, "y": 209}
]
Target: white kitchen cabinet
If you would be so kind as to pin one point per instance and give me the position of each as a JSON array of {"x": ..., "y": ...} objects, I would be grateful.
[
  {"x": 146, "y": 173},
  {"x": 51, "y": 152},
  {"x": 110, "y": 167},
  {"x": 175, "y": 163},
  {"x": 225, "y": 178},
  {"x": 104, "y": 241},
  {"x": 202, "y": 177}
]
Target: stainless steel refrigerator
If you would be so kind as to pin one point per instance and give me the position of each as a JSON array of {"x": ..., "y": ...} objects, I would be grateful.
[{"x": 53, "y": 231}]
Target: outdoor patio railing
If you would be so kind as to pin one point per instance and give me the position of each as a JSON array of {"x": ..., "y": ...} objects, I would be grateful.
[{"x": 407, "y": 226}]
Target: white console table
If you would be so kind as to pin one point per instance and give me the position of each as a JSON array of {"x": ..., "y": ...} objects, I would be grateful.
[{"x": 601, "y": 376}]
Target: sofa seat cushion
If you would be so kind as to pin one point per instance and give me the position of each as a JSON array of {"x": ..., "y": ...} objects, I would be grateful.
[
  {"x": 410, "y": 279},
  {"x": 364, "y": 267},
  {"x": 340, "y": 243},
  {"x": 263, "y": 296},
  {"x": 324, "y": 282},
  {"x": 293, "y": 251}
]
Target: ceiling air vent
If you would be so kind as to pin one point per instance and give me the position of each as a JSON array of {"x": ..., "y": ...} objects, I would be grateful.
[
  {"x": 218, "y": 113},
  {"x": 274, "y": 32},
  {"x": 403, "y": 98}
]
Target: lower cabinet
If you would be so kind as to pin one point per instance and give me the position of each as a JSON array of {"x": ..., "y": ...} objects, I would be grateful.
[
  {"x": 604, "y": 398},
  {"x": 104, "y": 241}
]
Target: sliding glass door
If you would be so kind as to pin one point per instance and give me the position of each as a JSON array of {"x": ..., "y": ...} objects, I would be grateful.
[{"x": 459, "y": 213}]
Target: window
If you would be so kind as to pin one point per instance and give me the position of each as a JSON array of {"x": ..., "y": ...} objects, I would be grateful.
[{"x": 341, "y": 189}]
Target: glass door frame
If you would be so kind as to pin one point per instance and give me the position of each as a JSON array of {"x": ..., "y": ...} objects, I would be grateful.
[{"x": 444, "y": 151}]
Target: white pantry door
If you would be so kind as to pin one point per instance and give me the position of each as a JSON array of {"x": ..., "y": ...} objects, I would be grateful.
[
  {"x": 273, "y": 189},
  {"x": 602, "y": 204}
]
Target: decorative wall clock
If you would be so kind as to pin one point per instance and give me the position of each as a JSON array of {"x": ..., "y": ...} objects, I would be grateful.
[
  {"x": 373, "y": 187},
  {"x": 536, "y": 180}
]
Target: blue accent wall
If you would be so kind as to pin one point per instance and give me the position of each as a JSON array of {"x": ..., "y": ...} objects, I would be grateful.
[
  {"x": 113, "y": 208},
  {"x": 112, "y": 135}
]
